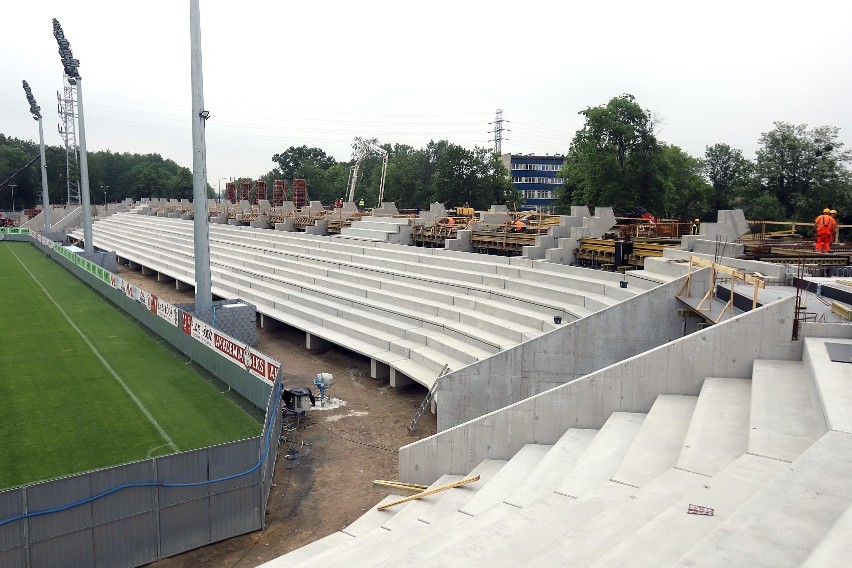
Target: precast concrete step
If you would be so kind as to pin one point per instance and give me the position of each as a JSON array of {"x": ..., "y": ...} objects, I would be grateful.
[
  {"x": 836, "y": 545},
  {"x": 507, "y": 479},
  {"x": 411, "y": 511},
  {"x": 597, "y": 535},
  {"x": 833, "y": 382},
  {"x": 552, "y": 468},
  {"x": 669, "y": 535},
  {"x": 718, "y": 431},
  {"x": 784, "y": 419},
  {"x": 603, "y": 455},
  {"x": 454, "y": 499},
  {"x": 658, "y": 443},
  {"x": 788, "y": 518},
  {"x": 309, "y": 551},
  {"x": 517, "y": 534},
  {"x": 372, "y": 519}
]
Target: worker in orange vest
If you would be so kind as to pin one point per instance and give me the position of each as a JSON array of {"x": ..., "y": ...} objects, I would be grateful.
[
  {"x": 825, "y": 226},
  {"x": 518, "y": 226}
]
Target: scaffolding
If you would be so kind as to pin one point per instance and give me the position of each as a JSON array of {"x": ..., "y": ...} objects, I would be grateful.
[
  {"x": 66, "y": 108},
  {"x": 300, "y": 193},
  {"x": 231, "y": 191},
  {"x": 279, "y": 192},
  {"x": 245, "y": 191}
]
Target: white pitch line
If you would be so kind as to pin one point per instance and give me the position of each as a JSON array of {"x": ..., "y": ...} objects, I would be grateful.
[{"x": 100, "y": 357}]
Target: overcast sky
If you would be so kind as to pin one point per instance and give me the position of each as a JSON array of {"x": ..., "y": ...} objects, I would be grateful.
[{"x": 280, "y": 74}]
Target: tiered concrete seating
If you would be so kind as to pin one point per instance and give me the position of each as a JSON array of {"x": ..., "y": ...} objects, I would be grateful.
[
  {"x": 414, "y": 313},
  {"x": 768, "y": 459}
]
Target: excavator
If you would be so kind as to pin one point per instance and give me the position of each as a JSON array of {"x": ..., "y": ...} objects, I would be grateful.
[{"x": 363, "y": 149}]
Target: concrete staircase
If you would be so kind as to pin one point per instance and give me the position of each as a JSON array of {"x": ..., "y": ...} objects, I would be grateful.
[
  {"x": 558, "y": 244},
  {"x": 412, "y": 311},
  {"x": 771, "y": 456},
  {"x": 395, "y": 230}
]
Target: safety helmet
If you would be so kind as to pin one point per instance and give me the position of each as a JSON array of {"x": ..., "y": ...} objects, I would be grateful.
[
  {"x": 826, "y": 210},
  {"x": 697, "y": 221},
  {"x": 834, "y": 211}
]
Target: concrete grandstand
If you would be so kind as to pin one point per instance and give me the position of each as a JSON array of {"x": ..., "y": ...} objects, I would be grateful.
[{"x": 633, "y": 433}]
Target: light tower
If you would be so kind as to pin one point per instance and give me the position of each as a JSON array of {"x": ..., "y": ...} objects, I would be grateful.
[
  {"x": 203, "y": 292},
  {"x": 36, "y": 112},
  {"x": 72, "y": 75}
]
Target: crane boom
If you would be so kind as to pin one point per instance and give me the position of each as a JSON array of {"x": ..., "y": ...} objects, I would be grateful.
[{"x": 22, "y": 168}]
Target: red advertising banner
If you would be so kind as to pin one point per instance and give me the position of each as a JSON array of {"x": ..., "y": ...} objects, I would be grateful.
[{"x": 187, "y": 323}]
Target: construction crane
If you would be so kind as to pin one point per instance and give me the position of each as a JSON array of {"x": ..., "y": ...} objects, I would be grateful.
[
  {"x": 36, "y": 157},
  {"x": 363, "y": 148}
]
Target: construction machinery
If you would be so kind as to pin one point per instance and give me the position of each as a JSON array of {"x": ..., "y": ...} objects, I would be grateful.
[{"x": 362, "y": 150}]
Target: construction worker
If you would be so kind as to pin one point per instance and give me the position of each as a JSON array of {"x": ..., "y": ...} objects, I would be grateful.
[
  {"x": 693, "y": 229},
  {"x": 824, "y": 225},
  {"x": 361, "y": 204},
  {"x": 518, "y": 226}
]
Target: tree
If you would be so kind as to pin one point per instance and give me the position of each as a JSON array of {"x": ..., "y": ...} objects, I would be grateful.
[
  {"x": 293, "y": 161},
  {"x": 729, "y": 173},
  {"x": 804, "y": 170},
  {"x": 476, "y": 177},
  {"x": 685, "y": 190},
  {"x": 408, "y": 183},
  {"x": 612, "y": 159}
]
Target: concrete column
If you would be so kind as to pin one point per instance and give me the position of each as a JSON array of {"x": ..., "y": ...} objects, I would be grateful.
[
  {"x": 399, "y": 380},
  {"x": 314, "y": 342},
  {"x": 147, "y": 271},
  {"x": 183, "y": 286},
  {"x": 163, "y": 278},
  {"x": 379, "y": 370},
  {"x": 268, "y": 323}
]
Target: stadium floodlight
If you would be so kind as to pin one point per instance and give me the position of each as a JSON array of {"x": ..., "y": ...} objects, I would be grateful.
[
  {"x": 68, "y": 62},
  {"x": 35, "y": 110},
  {"x": 72, "y": 75}
]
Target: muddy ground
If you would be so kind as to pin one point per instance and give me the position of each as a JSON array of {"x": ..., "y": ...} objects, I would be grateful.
[{"x": 334, "y": 454}]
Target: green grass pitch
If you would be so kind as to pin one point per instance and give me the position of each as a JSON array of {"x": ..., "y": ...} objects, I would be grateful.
[{"x": 63, "y": 406}]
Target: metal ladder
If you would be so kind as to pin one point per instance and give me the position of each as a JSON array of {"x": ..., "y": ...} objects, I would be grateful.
[{"x": 426, "y": 401}]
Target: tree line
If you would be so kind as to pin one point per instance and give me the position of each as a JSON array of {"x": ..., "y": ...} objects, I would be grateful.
[
  {"x": 120, "y": 175},
  {"x": 616, "y": 160}
]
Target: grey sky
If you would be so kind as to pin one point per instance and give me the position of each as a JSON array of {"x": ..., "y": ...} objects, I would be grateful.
[{"x": 278, "y": 74}]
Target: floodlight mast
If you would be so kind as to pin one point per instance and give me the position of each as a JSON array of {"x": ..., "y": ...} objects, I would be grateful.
[
  {"x": 203, "y": 291},
  {"x": 70, "y": 66},
  {"x": 45, "y": 201}
]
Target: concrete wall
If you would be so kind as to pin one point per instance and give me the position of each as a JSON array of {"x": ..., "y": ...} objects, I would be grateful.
[
  {"x": 727, "y": 349},
  {"x": 562, "y": 355}
]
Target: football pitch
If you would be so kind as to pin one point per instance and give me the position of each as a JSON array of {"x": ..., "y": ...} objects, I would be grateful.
[{"x": 83, "y": 387}]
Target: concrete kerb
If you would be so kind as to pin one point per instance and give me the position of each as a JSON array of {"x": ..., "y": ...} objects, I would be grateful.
[{"x": 677, "y": 367}]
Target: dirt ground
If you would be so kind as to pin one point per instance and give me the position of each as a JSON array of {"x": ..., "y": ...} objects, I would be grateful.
[{"x": 334, "y": 455}]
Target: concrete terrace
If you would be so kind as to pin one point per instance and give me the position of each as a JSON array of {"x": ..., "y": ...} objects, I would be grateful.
[
  {"x": 728, "y": 447},
  {"x": 415, "y": 312}
]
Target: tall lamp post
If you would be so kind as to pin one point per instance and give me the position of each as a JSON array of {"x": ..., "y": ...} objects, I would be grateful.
[
  {"x": 13, "y": 186},
  {"x": 201, "y": 233},
  {"x": 35, "y": 110},
  {"x": 105, "y": 188},
  {"x": 220, "y": 189},
  {"x": 70, "y": 65}
]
